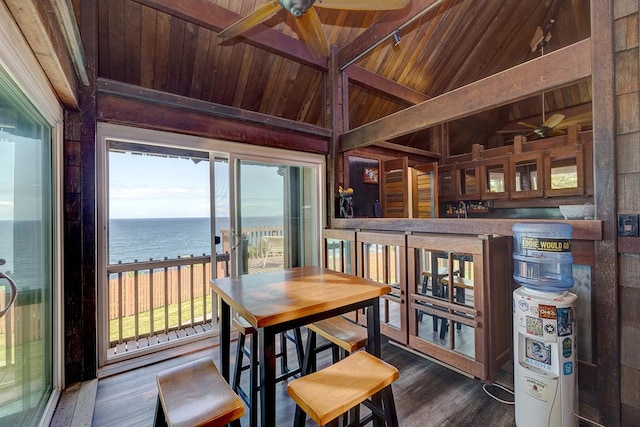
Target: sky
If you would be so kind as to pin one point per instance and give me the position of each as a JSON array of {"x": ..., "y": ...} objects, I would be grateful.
[{"x": 159, "y": 187}]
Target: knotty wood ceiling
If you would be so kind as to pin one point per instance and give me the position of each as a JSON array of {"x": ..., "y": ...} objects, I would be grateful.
[{"x": 172, "y": 46}]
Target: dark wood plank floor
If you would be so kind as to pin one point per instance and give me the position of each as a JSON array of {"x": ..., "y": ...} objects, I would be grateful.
[{"x": 426, "y": 394}]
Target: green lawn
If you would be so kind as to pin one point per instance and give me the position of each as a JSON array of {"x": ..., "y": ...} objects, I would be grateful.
[{"x": 128, "y": 323}]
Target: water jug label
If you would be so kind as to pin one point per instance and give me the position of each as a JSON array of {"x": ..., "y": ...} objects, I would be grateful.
[{"x": 546, "y": 245}]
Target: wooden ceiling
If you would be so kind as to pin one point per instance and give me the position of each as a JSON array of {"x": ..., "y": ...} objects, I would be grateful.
[{"x": 172, "y": 46}]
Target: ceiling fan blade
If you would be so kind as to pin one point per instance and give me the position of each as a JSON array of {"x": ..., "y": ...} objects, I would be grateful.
[
  {"x": 538, "y": 36},
  {"x": 256, "y": 17},
  {"x": 527, "y": 125},
  {"x": 362, "y": 4},
  {"x": 580, "y": 119},
  {"x": 311, "y": 32},
  {"x": 553, "y": 121}
]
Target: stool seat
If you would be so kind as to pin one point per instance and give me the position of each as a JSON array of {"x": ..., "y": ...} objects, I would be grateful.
[
  {"x": 326, "y": 394},
  {"x": 341, "y": 332},
  {"x": 196, "y": 394},
  {"x": 459, "y": 282}
]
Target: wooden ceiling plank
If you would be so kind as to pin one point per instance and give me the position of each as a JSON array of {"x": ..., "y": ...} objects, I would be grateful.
[
  {"x": 117, "y": 39},
  {"x": 161, "y": 66},
  {"x": 199, "y": 76},
  {"x": 189, "y": 46},
  {"x": 382, "y": 28},
  {"x": 216, "y": 18},
  {"x": 557, "y": 69},
  {"x": 133, "y": 16},
  {"x": 147, "y": 45}
]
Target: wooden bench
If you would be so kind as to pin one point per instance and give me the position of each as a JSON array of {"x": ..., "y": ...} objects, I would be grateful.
[
  {"x": 357, "y": 379},
  {"x": 340, "y": 334},
  {"x": 196, "y": 394}
]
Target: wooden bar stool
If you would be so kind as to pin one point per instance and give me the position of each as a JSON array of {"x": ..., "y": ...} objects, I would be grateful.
[
  {"x": 245, "y": 330},
  {"x": 196, "y": 394},
  {"x": 357, "y": 379},
  {"x": 343, "y": 336}
]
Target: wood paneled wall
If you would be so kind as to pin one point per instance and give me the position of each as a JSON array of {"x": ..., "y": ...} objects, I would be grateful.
[{"x": 627, "y": 99}]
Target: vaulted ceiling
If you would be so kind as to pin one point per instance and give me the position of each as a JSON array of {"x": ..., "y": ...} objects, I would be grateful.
[{"x": 172, "y": 46}]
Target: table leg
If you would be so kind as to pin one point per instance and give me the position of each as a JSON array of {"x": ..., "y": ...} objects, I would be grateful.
[
  {"x": 225, "y": 339},
  {"x": 267, "y": 349},
  {"x": 373, "y": 345},
  {"x": 373, "y": 328}
]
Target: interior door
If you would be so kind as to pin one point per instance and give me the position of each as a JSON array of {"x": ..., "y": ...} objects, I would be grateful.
[{"x": 26, "y": 361}]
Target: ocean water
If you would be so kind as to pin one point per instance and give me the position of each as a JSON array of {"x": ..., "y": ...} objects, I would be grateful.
[{"x": 157, "y": 238}]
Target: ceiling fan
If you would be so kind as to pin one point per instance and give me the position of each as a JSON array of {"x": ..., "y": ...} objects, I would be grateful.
[
  {"x": 308, "y": 24},
  {"x": 553, "y": 126}
]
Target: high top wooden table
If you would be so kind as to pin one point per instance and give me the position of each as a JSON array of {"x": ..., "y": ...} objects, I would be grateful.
[{"x": 281, "y": 300}]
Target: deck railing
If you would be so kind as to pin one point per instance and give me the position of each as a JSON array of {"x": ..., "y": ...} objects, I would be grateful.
[{"x": 158, "y": 300}]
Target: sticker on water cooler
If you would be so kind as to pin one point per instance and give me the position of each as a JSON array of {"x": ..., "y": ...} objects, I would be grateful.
[
  {"x": 534, "y": 326},
  {"x": 547, "y": 311},
  {"x": 565, "y": 321},
  {"x": 538, "y": 354},
  {"x": 566, "y": 348},
  {"x": 567, "y": 368},
  {"x": 546, "y": 245},
  {"x": 524, "y": 306},
  {"x": 536, "y": 388}
]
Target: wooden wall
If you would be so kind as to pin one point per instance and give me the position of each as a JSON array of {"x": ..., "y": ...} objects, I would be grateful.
[{"x": 627, "y": 99}]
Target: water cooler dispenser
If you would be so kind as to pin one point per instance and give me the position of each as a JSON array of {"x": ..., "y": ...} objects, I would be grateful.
[{"x": 544, "y": 326}]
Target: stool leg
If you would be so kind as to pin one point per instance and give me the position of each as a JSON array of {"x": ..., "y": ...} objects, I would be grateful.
[
  {"x": 160, "y": 418},
  {"x": 309, "y": 361},
  {"x": 391, "y": 415},
  {"x": 299, "y": 347},
  {"x": 254, "y": 383},
  {"x": 235, "y": 383},
  {"x": 284, "y": 364}
]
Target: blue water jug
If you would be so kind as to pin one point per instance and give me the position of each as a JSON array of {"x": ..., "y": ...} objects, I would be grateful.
[{"x": 542, "y": 258}]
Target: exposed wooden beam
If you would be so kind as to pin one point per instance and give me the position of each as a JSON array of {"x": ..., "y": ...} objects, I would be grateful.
[
  {"x": 408, "y": 150},
  {"x": 551, "y": 71},
  {"x": 133, "y": 105},
  {"x": 37, "y": 21},
  {"x": 607, "y": 296},
  {"x": 375, "y": 82}
]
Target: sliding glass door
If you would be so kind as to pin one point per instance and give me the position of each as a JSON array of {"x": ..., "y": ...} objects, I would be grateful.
[
  {"x": 26, "y": 259},
  {"x": 178, "y": 210},
  {"x": 275, "y": 215}
]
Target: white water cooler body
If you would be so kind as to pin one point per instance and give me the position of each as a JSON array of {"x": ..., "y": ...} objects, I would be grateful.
[{"x": 545, "y": 377}]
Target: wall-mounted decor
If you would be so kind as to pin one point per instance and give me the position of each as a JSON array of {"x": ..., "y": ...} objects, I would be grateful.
[{"x": 370, "y": 175}]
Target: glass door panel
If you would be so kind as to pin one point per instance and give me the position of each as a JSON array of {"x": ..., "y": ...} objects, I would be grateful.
[
  {"x": 276, "y": 222},
  {"x": 444, "y": 287},
  {"x": 26, "y": 238}
]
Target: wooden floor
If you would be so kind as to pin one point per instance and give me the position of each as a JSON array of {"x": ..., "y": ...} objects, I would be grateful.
[{"x": 426, "y": 394}]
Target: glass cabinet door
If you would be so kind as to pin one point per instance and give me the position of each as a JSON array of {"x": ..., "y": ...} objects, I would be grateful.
[
  {"x": 526, "y": 175},
  {"x": 446, "y": 316},
  {"x": 381, "y": 258},
  {"x": 495, "y": 179},
  {"x": 564, "y": 172}
]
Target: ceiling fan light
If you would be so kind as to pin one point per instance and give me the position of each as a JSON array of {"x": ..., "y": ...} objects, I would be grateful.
[{"x": 297, "y": 7}]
